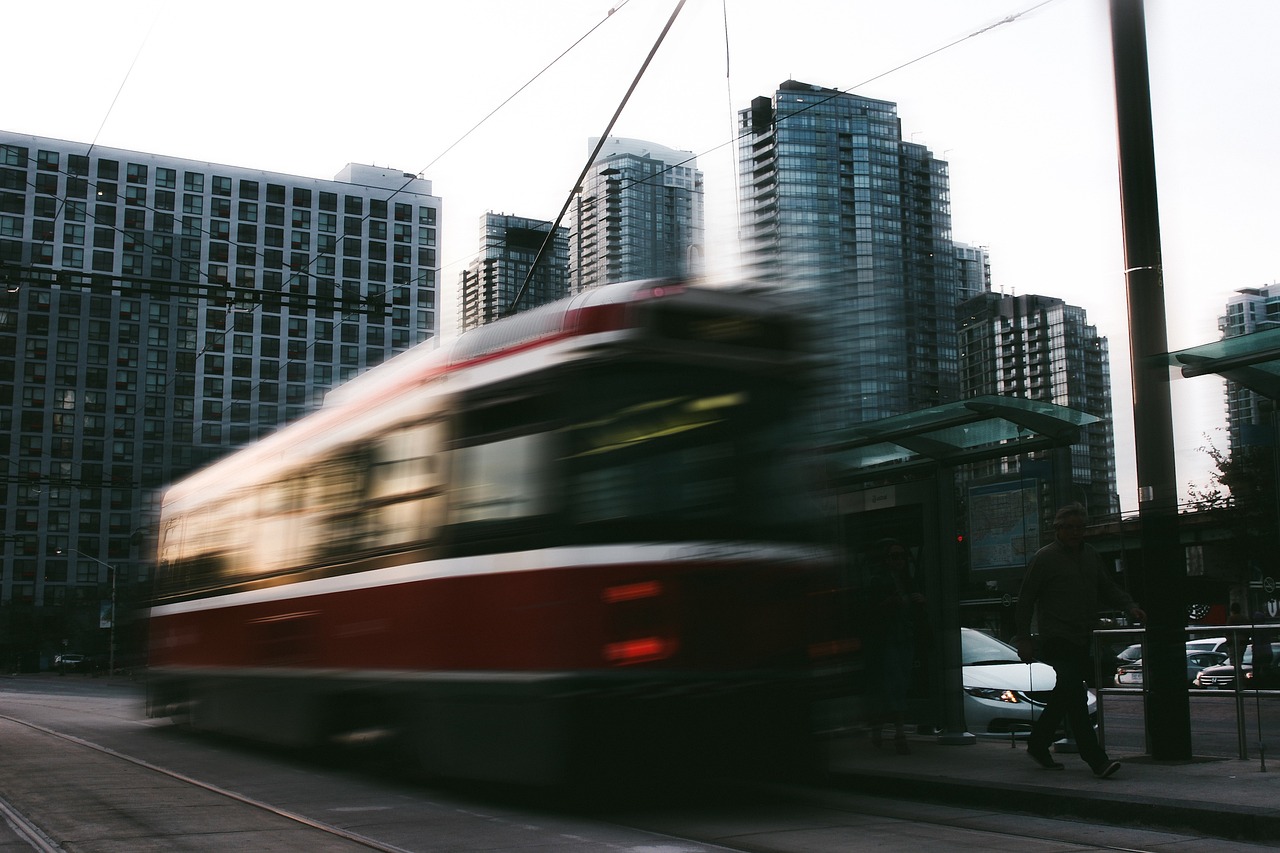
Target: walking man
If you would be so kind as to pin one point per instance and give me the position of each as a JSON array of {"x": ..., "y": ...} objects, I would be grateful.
[{"x": 1063, "y": 587}]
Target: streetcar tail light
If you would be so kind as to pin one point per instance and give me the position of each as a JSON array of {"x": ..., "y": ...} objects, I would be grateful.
[
  {"x": 631, "y": 591},
  {"x": 640, "y": 650}
]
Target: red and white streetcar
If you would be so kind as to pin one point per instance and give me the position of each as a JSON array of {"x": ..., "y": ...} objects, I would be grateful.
[{"x": 577, "y": 537}]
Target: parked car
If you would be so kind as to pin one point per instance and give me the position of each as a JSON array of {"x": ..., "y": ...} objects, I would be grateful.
[
  {"x": 1129, "y": 655},
  {"x": 1223, "y": 676},
  {"x": 1130, "y": 675},
  {"x": 71, "y": 663},
  {"x": 1003, "y": 695},
  {"x": 1209, "y": 644}
]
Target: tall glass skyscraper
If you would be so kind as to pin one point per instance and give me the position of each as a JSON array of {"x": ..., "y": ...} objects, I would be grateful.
[
  {"x": 855, "y": 223},
  {"x": 639, "y": 215}
]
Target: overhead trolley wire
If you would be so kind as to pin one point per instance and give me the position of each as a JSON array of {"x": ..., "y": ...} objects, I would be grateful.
[
  {"x": 551, "y": 232},
  {"x": 1008, "y": 19},
  {"x": 232, "y": 293}
]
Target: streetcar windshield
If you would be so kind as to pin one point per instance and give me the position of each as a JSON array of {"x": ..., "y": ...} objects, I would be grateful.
[{"x": 688, "y": 454}]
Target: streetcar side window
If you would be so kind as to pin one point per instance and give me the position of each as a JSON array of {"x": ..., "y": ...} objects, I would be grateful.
[
  {"x": 406, "y": 486},
  {"x": 501, "y": 463},
  {"x": 501, "y": 480}
]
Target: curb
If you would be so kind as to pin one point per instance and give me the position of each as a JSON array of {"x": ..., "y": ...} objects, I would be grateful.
[{"x": 1220, "y": 820}]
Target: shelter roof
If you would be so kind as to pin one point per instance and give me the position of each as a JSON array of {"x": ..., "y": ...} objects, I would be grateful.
[{"x": 951, "y": 434}]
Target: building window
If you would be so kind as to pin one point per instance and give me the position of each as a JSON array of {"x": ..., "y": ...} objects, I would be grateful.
[
  {"x": 13, "y": 155},
  {"x": 47, "y": 161}
]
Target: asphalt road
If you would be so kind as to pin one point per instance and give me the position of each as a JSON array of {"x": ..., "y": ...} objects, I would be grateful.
[{"x": 81, "y": 764}]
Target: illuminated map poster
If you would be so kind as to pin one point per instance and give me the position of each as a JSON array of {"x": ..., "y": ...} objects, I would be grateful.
[{"x": 1004, "y": 524}]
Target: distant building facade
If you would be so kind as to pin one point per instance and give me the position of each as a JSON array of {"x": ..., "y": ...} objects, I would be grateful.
[
  {"x": 639, "y": 214},
  {"x": 1251, "y": 309},
  {"x": 1041, "y": 348},
  {"x": 973, "y": 271},
  {"x": 839, "y": 211},
  {"x": 158, "y": 312},
  {"x": 496, "y": 277}
]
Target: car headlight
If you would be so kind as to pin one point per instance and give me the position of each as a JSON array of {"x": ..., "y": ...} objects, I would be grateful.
[{"x": 994, "y": 694}]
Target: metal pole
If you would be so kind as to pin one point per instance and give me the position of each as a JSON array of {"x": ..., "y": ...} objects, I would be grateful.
[
  {"x": 1163, "y": 576},
  {"x": 111, "y": 635}
]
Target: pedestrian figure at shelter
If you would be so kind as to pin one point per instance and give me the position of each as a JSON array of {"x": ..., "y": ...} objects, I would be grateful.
[
  {"x": 897, "y": 633},
  {"x": 1063, "y": 588}
]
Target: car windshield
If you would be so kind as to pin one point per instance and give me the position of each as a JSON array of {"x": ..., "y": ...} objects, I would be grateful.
[{"x": 977, "y": 648}]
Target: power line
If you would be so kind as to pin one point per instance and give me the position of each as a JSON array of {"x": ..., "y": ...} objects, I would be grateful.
[
  {"x": 551, "y": 232},
  {"x": 1008, "y": 19}
]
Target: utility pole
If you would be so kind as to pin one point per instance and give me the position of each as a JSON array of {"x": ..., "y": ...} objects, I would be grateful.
[
  {"x": 111, "y": 636},
  {"x": 1163, "y": 577}
]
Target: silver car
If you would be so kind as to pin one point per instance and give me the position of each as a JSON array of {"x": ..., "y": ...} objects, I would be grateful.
[{"x": 1002, "y": 695}]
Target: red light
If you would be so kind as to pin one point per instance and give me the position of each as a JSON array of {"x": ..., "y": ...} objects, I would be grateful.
[
  {"x": 631, "y": 591},
  {"x": 642, "y": 650}
]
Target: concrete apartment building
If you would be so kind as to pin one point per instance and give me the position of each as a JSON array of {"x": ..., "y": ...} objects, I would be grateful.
[
  {"x": 496, "y": 277},
  {"x": 1041, "y": 348},
  {"x": 158, "y": 312}
]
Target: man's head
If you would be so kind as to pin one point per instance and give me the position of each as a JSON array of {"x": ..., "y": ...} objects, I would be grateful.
[{"x": 1069, "y": 525}]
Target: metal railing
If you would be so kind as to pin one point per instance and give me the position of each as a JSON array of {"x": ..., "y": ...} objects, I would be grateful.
[{"x": 1265, "y": 699}]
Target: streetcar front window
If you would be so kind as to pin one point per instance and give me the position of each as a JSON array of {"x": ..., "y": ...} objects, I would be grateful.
[{"x": 694, "y": 453}]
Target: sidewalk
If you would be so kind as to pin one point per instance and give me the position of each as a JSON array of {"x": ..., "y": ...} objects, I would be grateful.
[{"x": 1225, "y": 798}]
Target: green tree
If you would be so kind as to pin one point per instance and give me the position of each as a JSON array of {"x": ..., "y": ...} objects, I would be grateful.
[{"x": 1241, "y": 494}]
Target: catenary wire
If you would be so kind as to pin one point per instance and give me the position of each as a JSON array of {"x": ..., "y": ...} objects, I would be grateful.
[
  {"x": 368, "y": 301},
  {"x": 1008, "y": 19}
]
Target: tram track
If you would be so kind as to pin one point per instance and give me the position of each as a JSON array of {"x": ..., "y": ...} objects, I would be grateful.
[
  {"x": 41, "y": 838},
  {"x": 67, "y": 792}
]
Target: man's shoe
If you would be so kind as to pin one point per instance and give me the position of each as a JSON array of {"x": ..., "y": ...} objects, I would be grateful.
[
  {"x": 1043, "y": 758},
  {"x": 1106, "y": 769}
]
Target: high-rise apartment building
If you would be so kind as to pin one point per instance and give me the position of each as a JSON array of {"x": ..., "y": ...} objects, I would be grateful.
[
  {"x": 840, "y": 211},
  {"x": 639, "y": 214},
  {"x": 158, "y": 312},
  {"x": 973, "y": 271},
  {"x": 508, "y": 247},
  {"x": 1041, "y": 348},
  {"x": 1251, "y": 309}
]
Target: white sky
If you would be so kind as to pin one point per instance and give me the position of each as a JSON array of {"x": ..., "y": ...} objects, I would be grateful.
[{"x": 1024, "y": 113}]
